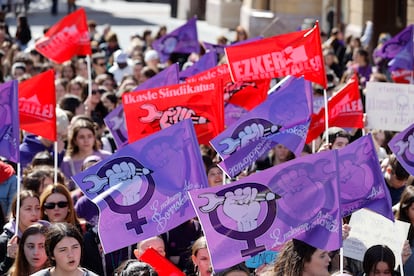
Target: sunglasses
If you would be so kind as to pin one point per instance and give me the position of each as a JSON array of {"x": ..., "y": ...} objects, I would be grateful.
[
  {"x": 100, "y": 91},
  {"x": 52, "y": 205}
]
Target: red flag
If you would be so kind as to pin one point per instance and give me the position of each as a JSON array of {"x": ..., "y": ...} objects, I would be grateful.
[
  {"x": 160, "y": 264},
  {"x": 148, "y": 111},
  {"x": 297, "y": 53},
  {"x": 244, "y": 94},
  {"x": 344, "y": 110},
  {"x": 37, "y": 102},
  {"x": 67, "y": 38}
]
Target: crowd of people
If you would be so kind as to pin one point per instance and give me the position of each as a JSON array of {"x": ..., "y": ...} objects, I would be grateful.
[{"x": 53, "y": 230}]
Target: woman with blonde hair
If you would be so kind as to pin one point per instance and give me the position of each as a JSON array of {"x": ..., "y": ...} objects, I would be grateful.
[{"x": 56, "y": 205}]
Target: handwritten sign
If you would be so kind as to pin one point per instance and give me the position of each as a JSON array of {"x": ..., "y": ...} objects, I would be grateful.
[
  {"x": 369, "y": 228},
  {"x": 389, "y": 106}
]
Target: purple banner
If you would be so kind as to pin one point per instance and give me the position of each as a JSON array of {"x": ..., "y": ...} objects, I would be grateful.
[
  {"x": 232, "y": 113},
  {"x": 282, "y": 119},
  {"x": 207, "y": 61},
  {"x": 402, "y": 145},
  {"x": 219, "y": 49},
  {"x": 266, "y": 209},
  {"x": 182, "y": 40},
  {"x": 393, "y": 46},
  {"x": 361, "y": 181},
  {"x": 9, "y": 124},
  {"x": 141, "y": 190},
  {"x": 404, "y": 59},
  {"x": 115, "y": 120}
]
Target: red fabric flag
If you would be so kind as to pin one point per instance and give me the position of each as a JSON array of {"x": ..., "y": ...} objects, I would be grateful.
[
  {"x": 148, "y": 111},
  {"x": 160, "y": 264},
  {"x": 297, "y": 53},
  {"x": 244, "y": 94},
  {"x": 37, "y": 102},
  {"x": 344, "y": 110},
  {"x": 67, "y": 38}
]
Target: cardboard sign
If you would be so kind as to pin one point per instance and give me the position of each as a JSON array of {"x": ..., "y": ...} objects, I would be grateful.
[
  {"x": 369, "y": 228},
  {"x": 389, "y": 106}
]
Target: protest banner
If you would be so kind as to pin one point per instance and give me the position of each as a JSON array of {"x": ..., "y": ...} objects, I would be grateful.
[
  {"x": 361, "y": 180},
  {"x": 67, "y": 38},
  {"x": 283, "y": 118},
  {"x": 402, "y": 145},
  {"x": 265, "y": 210},
  {"x": 37, "y": 105},
  {"x": 344, "y": 110},
  {"x": 369, "y": 228},
  {"x": 183, "y": 39},
  {"x": 388, "y": 105},
  {"x": 150, "y": 110},
  {"x": 9, "y": 125},
  {"x": 141, "y": 190},
  {"x": 115, "y": 120},
  {"x": 297, "y": 53}
]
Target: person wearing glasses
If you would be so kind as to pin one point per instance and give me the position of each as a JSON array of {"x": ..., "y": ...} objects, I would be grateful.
[
  {"x": 57, "y": 207},
  {"x": 99, "y": 64}
]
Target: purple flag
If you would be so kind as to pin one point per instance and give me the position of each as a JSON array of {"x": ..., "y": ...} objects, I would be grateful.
[
  {"x": 232, "y": 113},
  {"x": 402, "y": 145},
  {"x": 283, "y": 118},
  {"x": 404, "y": 59},
  {"x": 207, "y": 61},
  {"x": 168, "y": 76},
  {"x": 182, "y": 40},
  {"x": 9, "y": 124},
  {"x": 115, "y": 120},
  {"x": 362, "y": 184},
  {"x": 141, "y": 190},
  {"x": 219, "y": 49},
  {"x": 396, "y": 44},
  {"x": 266, "y": 209}
]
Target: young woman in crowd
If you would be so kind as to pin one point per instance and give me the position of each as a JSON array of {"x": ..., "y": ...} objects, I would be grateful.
[
  {"x": 201, "y": 258},
  {"x": 298, "y": 258},
  {"x": 57, "y": 205},
  {"x": 29, "y": 213},
  {"x": 64, "y": 250},
  {"x": 379, "y": 260},
  {"x": 82, "y": 142},
  {"x": 214, "y": 176},
  {"x": 31, "y": 255}
]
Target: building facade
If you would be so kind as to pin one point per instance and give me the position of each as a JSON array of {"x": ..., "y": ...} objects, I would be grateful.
[{"x": 272, "y": 17}]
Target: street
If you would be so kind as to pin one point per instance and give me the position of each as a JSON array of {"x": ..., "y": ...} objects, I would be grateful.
[{"x": 126, "y": 18}]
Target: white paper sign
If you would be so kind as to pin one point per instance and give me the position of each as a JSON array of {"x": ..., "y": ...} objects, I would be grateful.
[
  {"x": 389, "y": 106},
  {"x": 369, "y": 228}
]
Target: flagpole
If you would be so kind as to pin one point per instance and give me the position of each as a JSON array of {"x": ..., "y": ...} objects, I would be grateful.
[
  {"x": 325, "y": 99},
  {"x": 88, "y": 61},
  {"x": 279, "y": 84},
  {"x": 18, "y": 198},
  {"x": 55, "y": 160}
]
